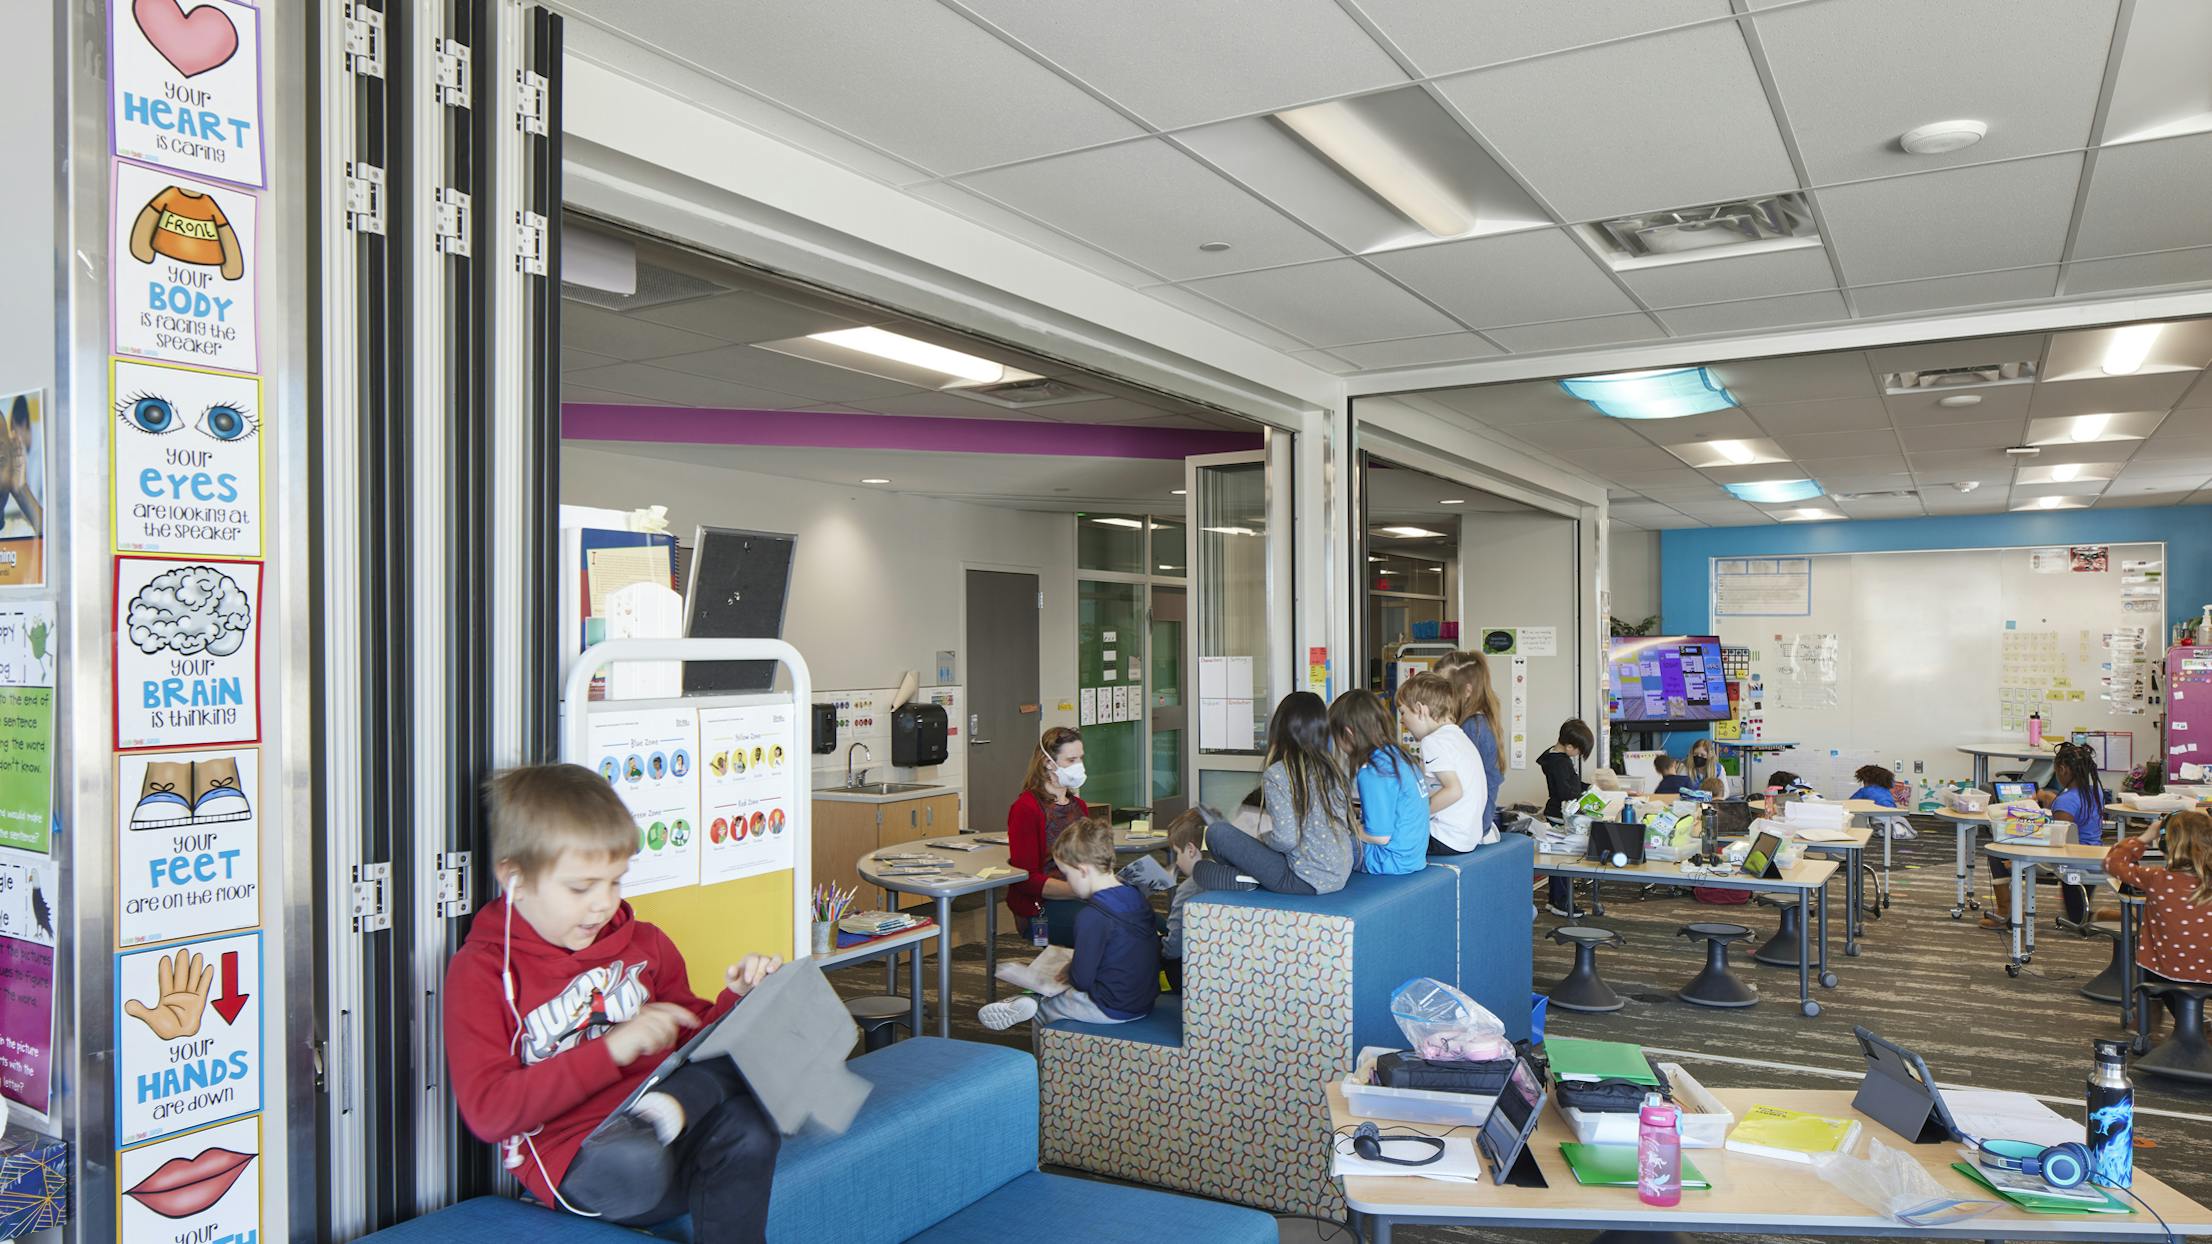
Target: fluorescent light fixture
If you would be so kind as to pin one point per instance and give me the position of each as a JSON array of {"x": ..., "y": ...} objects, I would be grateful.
[
  {"x": 1809, "y": 515},
  {"x": 1736, "y": 452},
  {"x": 1371, "y": 557},
  {"x": 1409, "y": 533},
  {"x": 2088, "y": 428},
  {"x": 1775, "y": 491},
  {"x": 1178, "y": 492},
  {"x": 875, "y": 479},
  {"x": 2066, "y": 472},
  {"x": 1453, "y": 501},
  {"x": 2052, "y": 503},
  {"x": 1373, "y": 157},
  {"x": 1231, "y": 531},
  {"x": 890, "y": 345},
  {"x": 2129, "y": 347},
  {"x": 1119, "y": 522},
  {"x": 1666, "y": 393}
]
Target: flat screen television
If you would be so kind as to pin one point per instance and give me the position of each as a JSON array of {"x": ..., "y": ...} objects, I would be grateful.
[{"x": 1666, "y": 682}]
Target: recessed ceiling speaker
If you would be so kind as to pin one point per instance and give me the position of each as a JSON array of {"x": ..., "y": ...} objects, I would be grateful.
[{"x": 1942, "y": 137}]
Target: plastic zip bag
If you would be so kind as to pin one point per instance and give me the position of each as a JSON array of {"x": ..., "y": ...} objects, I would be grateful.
[
  {"x": 1893, "y": 1184},
  {"x": 1441, "y": 1024}
]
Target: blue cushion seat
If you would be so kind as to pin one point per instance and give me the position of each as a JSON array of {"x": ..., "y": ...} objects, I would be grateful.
[
  {"x": 1062, "y": 1207},
  {"x": 1164, "y": 1026}
]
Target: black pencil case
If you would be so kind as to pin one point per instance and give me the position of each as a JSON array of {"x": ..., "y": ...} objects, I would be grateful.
[{"x": 1404, "y": 1071}]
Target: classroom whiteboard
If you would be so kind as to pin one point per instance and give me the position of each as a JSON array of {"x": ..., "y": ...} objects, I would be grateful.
[{"x": 1903, "y": 657}]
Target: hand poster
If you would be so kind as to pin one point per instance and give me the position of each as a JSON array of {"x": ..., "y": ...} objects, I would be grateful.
[
  {"x": 185, "y": 270},
  {"x": 187, "y": 653},
  {"x": 188, "y": 1036},
  {"x": 187, "y": 460}
]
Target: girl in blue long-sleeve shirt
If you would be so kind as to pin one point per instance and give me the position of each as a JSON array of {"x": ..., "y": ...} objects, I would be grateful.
[{"x": 1393, "y": 821}]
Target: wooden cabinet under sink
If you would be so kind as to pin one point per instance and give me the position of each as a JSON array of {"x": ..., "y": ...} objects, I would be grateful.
[{"x": 844, "y": 831}]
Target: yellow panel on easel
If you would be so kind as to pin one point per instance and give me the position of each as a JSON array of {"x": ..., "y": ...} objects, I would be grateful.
[{"x": 716, "y": 925}]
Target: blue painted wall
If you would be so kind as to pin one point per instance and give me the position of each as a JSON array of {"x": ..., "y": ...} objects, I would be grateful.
[{"x": 1685, "y": 599}]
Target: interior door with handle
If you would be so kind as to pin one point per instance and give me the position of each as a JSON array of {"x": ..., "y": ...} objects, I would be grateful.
[{"x": 1004, "y": 717}]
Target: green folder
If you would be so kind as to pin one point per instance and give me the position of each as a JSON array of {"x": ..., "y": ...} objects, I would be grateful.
[
  {"x": 2046, "y": 1204},
  {"x": 1614, "y": 1166},
  {"x": 1605, "y": 1060}
]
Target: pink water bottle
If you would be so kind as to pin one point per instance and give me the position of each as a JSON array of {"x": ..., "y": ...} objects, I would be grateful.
[
  {"x": 1658, "y": 1153},
  {"x": 2035, "y": 729}
]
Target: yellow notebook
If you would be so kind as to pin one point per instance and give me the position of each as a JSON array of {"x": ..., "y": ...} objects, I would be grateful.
[{"x": 1790, "y": 1135}]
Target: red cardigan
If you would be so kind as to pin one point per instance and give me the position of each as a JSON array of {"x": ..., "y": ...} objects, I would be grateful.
[{"x": 1025, "y": 849}]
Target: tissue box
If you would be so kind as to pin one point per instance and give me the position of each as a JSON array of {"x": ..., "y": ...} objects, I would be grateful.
[{"x": 1816, "y": 814}]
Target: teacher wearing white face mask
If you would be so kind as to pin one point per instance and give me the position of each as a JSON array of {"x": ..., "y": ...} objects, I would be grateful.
[{"x": 1046, "y": 806}]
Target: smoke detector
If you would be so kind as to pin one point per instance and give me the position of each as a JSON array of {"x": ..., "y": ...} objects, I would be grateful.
[
  {"x": 1942, "y": 137},
  {"x": 1967, "y": 485}
]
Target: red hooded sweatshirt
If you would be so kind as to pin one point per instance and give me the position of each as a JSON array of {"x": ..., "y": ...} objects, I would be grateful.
[{"x": 558, "y": 1082}]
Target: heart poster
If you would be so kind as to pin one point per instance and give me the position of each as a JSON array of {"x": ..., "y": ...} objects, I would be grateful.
[{"x": 187, "y": 86}]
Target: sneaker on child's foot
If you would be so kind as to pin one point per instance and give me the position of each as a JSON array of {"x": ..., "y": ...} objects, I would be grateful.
[
  {"x": 662, "y": 1113},
  {"x": 1000, "y": 1016},
  {"x": 1215, "y": 875},
  {"x": 1563, "y": 913}
]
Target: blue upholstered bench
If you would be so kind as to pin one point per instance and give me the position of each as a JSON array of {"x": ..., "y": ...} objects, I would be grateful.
[
  {"x": 1221, "y": 1090},
  {"x": 945, "y": 1152}
]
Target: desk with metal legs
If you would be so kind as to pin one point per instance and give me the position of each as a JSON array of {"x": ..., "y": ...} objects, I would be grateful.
[{"x": 943, "y": 888}]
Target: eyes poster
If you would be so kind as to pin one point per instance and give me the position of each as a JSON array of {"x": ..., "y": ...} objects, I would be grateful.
[{"x": 187, "y": 469}]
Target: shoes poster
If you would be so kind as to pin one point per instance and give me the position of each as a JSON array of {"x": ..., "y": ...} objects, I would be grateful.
[
  {"x": 185, "y": 270},
  {"x": 188, "y": 1037},
  {"x": 749, "y": 762},
  {"x": 187, "y": 460},
  {"x": 649, "y": 756},
  {"x": 187, "y": 653},
  {"x": 188, "y": 849},
  {"x": 27, "y": 663},
  {"x": 204, "y": 1185},
  {"x": 187, "y": 81}
]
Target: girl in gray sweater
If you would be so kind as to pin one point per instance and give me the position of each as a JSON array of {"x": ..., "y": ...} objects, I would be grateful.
[{"x": 1307, "y": 847}]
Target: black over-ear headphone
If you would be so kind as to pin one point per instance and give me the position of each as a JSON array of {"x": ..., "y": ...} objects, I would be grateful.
[{"x": 1367, "y": 1142}]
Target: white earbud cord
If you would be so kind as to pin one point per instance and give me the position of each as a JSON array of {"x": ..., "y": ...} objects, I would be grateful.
[{"x": 513, "y": 1158}]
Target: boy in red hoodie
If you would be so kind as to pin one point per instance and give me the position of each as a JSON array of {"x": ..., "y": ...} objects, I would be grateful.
[{"x": 562, "y": 1001}]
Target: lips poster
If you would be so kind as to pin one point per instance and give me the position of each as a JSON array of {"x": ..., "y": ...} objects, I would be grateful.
[
  {"x": 188, "y": 846},
  {"x": 187, "y": 460},
  {"x": 204, "y": 1185},
  {"x": 186, "y": 270},
  {"x": 650, "y": 757},
  {"x": 187, "y": 82},
  {"x": 749, "y": 762},
  {"x": 188, "y": 1036},
  {"x": 187, "y": 653}
]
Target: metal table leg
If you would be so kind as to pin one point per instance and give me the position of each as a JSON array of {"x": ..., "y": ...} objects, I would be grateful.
[
  {"x": 944, "y": 966},
  {"x": 2127, "y": 966},
  {"x": 990, "y": 947},
  {"x": 1853, "y": 891},
  {"x": 1827, "y": 978},
  {"x": 1378, "y": 1230},
  {"x": 1962, "y": 829},
  {"x": 914, "y": 1006},
  {"x": 2027, "y": 927},
  {"x": 2023, "y": 879},
  {"x": 1805, "y": 1001}
]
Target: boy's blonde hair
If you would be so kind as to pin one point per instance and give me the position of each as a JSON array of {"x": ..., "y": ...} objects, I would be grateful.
[
  {"x": 1433, "y": 694},
  {"x": 539, "y": 811},
  {"x": 1187, "y": 830},
  {"x": 1715, "y": 787},
  {"x": 1089, "y": 843}
]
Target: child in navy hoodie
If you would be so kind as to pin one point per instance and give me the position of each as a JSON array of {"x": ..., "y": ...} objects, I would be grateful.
[
  {"x": 1115, "y": 974},
  {"x": 562, "y": 1001}
]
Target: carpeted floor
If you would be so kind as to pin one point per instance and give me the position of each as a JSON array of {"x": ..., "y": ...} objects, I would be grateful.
[{"x": 1935, "y": 985}]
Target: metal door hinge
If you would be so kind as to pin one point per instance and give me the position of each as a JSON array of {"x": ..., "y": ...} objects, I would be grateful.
[
  {"x": 372, "y": 887},
  {"x": 456, "y": 870},
  {"x": 453, "y": 73},
  {"x": 364, "y": 41},
  {"x": 530, "y": 243},
  {"x": 453, "y": 222},
  {"x": 531, "y": 98},
  {"x": 364, "y": 198}
]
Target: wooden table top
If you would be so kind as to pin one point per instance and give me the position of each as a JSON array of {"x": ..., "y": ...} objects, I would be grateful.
[
  {"x": 1806, "y": 874},
  {"x": 1748, "y": 1193}
]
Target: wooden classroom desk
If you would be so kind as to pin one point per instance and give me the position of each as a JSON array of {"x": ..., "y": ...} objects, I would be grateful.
[
  {"x": 1749, "y": 1196},
  {"x": 2027, "y": 858}
]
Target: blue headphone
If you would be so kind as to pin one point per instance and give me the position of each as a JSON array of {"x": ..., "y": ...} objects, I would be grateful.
[{"x": 2064, "y": 1165}]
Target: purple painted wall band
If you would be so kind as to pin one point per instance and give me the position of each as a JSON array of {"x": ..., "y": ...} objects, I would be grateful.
[{"x": 821, "y": 429}]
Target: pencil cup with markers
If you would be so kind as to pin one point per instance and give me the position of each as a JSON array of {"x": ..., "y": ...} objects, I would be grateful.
[{"x": 830, "y": 905}]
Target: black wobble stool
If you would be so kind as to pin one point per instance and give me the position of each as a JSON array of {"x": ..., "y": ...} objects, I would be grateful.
[
  {"x": 879, "y": 1017},
  {"x": 1716, "y": 985},
  {"x": 2184, "y": 1055},
  {"x": 1780, "y": 950},
  {"x": 2108, "y": 985},
  {"x": 1580, "y": 989}
]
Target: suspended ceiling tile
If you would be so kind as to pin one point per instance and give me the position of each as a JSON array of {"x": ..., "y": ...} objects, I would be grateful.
[
  {"x": 821, "y": 382},
  {"x": 2124, "y": 498},
  {"x": 1978, "y": 289},
  {"x": 1722, "y": 511},
  {"x": 576, "y": 394},
  {"x": 1855, "y": 74},
  {"x": 1975, "y": 219},
  {"x": 1417, "y": 351},
  {"x": 1881, "y": 507},
  {"x": 1570, "y": 334},
  {"x": 1998, "y": 404},
  {"x": 1842, "y": 414},
  {"x": 1959, "y": 436},
  {"x": 742, "y": 317},
  {"x": 1446, "y": 36},
  {"x": 1608, "y": 461},
  {"x": 1672, "y": 524},
  {"x": 620, "y": 336},
  {"x": 2199, "y": 394},
  {"x": 1236, "y": 321},
  {"x": 2174, "y": 174},
  {"x": 1572, "y": 124},
  {"x": 2090, "y": 451},
  {"x": 1152, "y": 205},
  {"x": 1585, "y": 435},
  {"x": 918, "y": 80},
  {"x": 1002, "y": 219},
  {"x": 1755, "y": 314},
  {"x": 2156, "y": 391},
  {"x": 1989, "y": 500},
  {"x": 1326, "y": 361},
  {"x": 1104, "y": 410},
  {"x": 2189, "y": 421},
  {"x": 1326, "y": 304},
  {"x": 1718, "y": 425},
  {"x": 1944, "y": 465},
  {"x": 940, "y": 406},
  {"x": 2161, "y": 466},
  {"x": 578, "y": 360},
  {"x": 1515, "y": 278},
  {"x": 1509, "y": 405},
  {"x": 1732, "y": 278},
  {"x": 675, "y": 388},
  {"x": 1759, "y": 383},
  {"x": 2183, "y": 267},
  {"x": 1805, "y": 446},
  {"x": 1886, "y": 462},
  {"x": 1872, "y": 481}
]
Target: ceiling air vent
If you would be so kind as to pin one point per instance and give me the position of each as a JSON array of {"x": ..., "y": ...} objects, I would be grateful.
[
  {"x": 1650, "y": 238},
  {"x": 1979, "y": 375},
  {"x": 1022, "y": 394}
]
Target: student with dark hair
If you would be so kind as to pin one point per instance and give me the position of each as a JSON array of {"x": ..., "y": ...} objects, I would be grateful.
[
  {"x": 1672, "y": 781},
  {"x": 1874, "y": 785},
  {"x": 1562, "y": 767},
  {"x": 1307, "y": 846},
  {"x": 2080, "y": 802}
]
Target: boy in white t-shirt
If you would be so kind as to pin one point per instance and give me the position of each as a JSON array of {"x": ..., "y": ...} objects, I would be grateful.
[{"x": 1429, "y": 707}]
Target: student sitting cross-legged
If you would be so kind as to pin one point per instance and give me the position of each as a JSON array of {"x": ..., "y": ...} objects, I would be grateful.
[
  {"x": 1306, "y": 844},
  {"x": 1115, "y": 974},
  {"x": 1393, "y": 820}
]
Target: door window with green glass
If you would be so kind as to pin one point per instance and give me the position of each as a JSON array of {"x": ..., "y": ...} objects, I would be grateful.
[{"x": 1110, "y": 675}]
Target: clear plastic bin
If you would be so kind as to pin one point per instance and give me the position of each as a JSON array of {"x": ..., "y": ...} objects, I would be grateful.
[
  {"x": 1374, "y": 1101},
  {"x": 1705, "y": 1122}
]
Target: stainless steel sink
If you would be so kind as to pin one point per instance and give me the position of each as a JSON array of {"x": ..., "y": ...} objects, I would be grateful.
[{"x": 887, "y": 788}]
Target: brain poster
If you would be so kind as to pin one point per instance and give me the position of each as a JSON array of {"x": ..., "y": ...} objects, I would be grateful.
[{"x": 187, "y": 653}]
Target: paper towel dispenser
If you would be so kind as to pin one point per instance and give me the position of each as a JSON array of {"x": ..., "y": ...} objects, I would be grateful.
[{"x": 918, "y": 734}]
